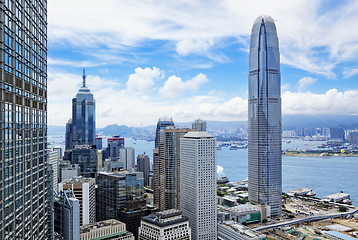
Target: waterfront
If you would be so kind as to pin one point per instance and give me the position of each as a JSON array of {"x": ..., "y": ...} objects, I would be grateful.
[{"x": 325, "y": 175}]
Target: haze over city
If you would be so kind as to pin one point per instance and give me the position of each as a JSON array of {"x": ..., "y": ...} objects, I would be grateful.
[{"x": 145, "y": 60}]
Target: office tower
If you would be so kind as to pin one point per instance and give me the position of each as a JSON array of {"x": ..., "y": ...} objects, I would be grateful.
[
  {"x": 84, "y": 190},
  {"x": 169, "y": 224},
  {"x": 198, "y": 184},
  {"x": 67, "y": 216},
  {"x": 120, "y": 195},
  {"x": 127, "y": 157},
  {"x": 53, "y": 160},
  {"x": 68, "y": 135},
  {"x": 86, "y": 157},
  {"x": 163, "y": 123},
  {"x": 67, "y": 170},
  {"x": 167, "y": 174},
  {"x": 108, "y": 229},
  {"x": 199, "y": 125},
  {"x": 23, "y": 115},
  {"x": 143, "y": 165},
  {"x": 83, "y": 116},
  {"x": 115, "y": 143},
  {"x": 264, "y": 157},
  {"x": 98, "y": 142},
  {"x": 114, "y": 190}
]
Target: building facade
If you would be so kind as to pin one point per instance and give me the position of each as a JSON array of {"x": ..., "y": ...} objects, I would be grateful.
[
  {"x": 199, "y": 125},
  {"x": 67, "y": 216},
  {"x": 23, "y": 119},
  {"x": 67, "y": 170},
  {"x": 84, "y": 190},
  {"x": 53, "y": 159},
  {"x": 127, "y": 157},
  {"x": 264, "y": 117},
  {"x": 162, "y": 123},
  {"x": 86, "y": 157},
  {"x": 166, "y": 225},
  {"x": 109, "y": 229},
  {"x": 167, "y": 179},
  {"x": 198, "y": 184},
  {"x": 143, "y": 165},
  {"x": 83, "y": 116}
]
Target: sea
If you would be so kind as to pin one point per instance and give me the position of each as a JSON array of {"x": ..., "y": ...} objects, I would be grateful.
[{"x": 325, "y": 175}]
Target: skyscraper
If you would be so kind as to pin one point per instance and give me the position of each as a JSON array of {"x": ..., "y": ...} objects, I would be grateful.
[
  {"x": 198, "y": 184},
  {"x": 167, "y": 174},
  {"x": 264, "y": 157},
  {"x": 83, "y": 116},
  {"x": 143, "y": 165},
  {"x": 163, "y": 123},
  {"x": 23, "y": 116}
]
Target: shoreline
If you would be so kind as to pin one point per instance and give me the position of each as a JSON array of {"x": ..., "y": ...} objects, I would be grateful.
[{"x": 304, "y": 154}]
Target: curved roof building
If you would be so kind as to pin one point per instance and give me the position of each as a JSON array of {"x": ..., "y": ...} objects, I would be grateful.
[{"x": 264, "y": 116}]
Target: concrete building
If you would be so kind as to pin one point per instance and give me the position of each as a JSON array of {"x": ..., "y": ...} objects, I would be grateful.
[
  {"x": 23, "y": 114},
  {"x": 98, "y": 141},
  {"x": 127, "y": 157},
  {"x": 115, "y": 143},
  {"x": 234, "y": 231},
  {"x": 246, "y": 213},
  {"x": 67, "y": 216},
  {"x": 109, "y": 229},
  {"x": 352, "y": 136},
  {"x": 166, "y": 225},
  {"x": 264, "y": 117},
  {"x": 84, "y": 190},
  {"x": 162, "y": 123},
  {"x": 53, "y": 159},
  {"x": 337, "y": 197},
  {"x": 86, "y": 157},
  {"x": 167, "y": 174},
  {"x": 198, "y": 183},
  {"x": 143, "y": 165},
  {"x": 199, "y": 125},
  {"x": 67, "y": 170}
]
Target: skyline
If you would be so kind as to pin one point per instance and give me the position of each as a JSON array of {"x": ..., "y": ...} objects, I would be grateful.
[{"x": 204, "y": 56}]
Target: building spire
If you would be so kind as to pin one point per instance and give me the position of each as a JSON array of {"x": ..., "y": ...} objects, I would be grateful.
[{"x": 84, "y": 78}]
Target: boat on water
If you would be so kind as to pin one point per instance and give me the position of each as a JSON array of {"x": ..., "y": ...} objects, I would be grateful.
[
  {"x": 233, "y": 147},
  {"x": 218, "y": 148},
  {"x": 223, "y": 179},
  {"x": 311, "y": 193}
]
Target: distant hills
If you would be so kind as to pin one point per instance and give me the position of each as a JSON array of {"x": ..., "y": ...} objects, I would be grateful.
[{"x": 288, "y": 122}]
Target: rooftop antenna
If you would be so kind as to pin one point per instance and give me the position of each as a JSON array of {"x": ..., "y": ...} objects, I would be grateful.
[{"x": 84, "y": 78}]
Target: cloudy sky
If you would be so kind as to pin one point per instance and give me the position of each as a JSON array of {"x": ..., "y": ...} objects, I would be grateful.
[{"x": 187, "y": 59}]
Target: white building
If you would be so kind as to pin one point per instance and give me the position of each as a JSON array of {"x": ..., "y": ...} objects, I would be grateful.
[
  {"x": 109, "y": 229},
  {"x": 127, "y": 156},
  {"x": 166, "y": 225},
  {"x": 84, "y": 191},
  {"x": 53, "y": 159},
  {"x": 198, "y": 184}
]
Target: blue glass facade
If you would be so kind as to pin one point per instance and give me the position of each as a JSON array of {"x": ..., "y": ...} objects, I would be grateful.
[
  {"x": 264, "y": 116},
  {"x": 83, "y": 117}
]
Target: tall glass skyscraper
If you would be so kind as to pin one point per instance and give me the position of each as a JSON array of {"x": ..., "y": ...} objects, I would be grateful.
[
  {"x": 23, "y": 93},
  {"x": 265, "y": 163},
  {"x": 83, "y": 117}
]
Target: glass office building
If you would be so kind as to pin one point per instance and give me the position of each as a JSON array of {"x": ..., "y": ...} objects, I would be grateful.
[
  {"x": 265, "y": 163},
  {"x": 23, "y": 136},
  {"x": 83, "y": 117}
]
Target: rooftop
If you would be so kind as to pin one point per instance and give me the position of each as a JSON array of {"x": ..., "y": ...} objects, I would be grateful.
[{"x": 198, "y": 135}]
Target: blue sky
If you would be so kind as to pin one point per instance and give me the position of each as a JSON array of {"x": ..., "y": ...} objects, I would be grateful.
[{"x": 187, "y": 59}]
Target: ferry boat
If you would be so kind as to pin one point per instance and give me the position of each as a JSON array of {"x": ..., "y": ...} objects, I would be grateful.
[{"x": 223, "y": 179}]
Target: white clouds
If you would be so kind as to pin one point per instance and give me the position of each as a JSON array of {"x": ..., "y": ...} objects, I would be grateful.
[
  {"x": 175, "y": 86},
  {"x": 311, "y": 37},
  {"x": 332, "y": 102},
  {"x": 303, "y": 83},
  {"x": 350, "y": 73},
  {"x": 142, "y": 81}
]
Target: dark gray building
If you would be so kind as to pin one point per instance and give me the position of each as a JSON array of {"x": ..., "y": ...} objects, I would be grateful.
[
  {"x": 143, "y": 165},
  {"x": 86, "y": 157},
  {"x": 162, "y": 123},
  {"x": 264, "y": 117},
  {"x": 23, "y": 119}
]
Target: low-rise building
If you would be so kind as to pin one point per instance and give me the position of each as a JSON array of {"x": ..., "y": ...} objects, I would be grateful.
[
  {"x": 337, "y": 197},
  {"x": 244, "y": 213},
  {"x": 166, "y": 225},
  {"x": 235, "y": 231},
  {"x": 109, "y": 229}
]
